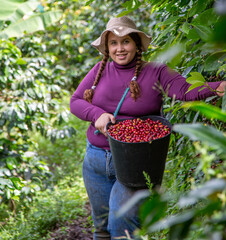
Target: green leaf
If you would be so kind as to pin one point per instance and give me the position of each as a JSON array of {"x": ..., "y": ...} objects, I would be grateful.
[
  {"x": 173, "y": 220},
  {"x": 169, "y": 55},
  {"x": 8, "y": 194},
  {"x": 132, "y": 202},
  {"x": 196, "y": 78},
  {"x": 4, "y": 182},
  {"x": 153, "y": 210},
  {"x": 210, "y": 187},
  {"x": 207, "y": 134},
  {"x": 198, "y": 7},
  {"x": 215, "y": 60},
  {"x": 89, "y": 2},
  {"x": 170, "y": 20},
  {"x": 222, "y": 68},
  {"x": 210, "y": 111},
  {"x": 165, "y": 32},
  {"x": 9, "y": 7},
  {"x": 38, "y": 22},
  {"x": 16, "y": 182},
  {"x": 195, "y": 85},
  {"x": 192, "y": 34},
  {"x": 123, "y": 13},
  {"x": 23, "y": 10},
  {"x": 224, "y": 101},
  {"x": 206, "y": 18},
  {"x": 203, "y": 31},
  {"x": 185, "y": 28},
  {"x": 21, "y": 61},
  {"x": 131, "y": 6},
  {"x": 11, "y": 163},
  {"x": 218, "y": 35}
]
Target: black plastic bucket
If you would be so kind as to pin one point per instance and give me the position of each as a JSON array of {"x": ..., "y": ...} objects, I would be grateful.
[{"x": 131, "y": 160}]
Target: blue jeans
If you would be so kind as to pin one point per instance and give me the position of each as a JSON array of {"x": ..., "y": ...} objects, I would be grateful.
[{"x": 107, "y": 195}]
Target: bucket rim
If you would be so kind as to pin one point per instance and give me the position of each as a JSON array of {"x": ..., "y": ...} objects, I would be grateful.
[{"x": 142, "y": 117}]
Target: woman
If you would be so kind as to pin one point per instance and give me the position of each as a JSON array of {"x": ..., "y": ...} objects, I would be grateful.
[{"x": 96, "y": 99}]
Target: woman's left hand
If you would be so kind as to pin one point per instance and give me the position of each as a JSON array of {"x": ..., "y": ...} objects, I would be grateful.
[
  {"x": 221, "y": 89},
  {"x": 102, "y": 121}
]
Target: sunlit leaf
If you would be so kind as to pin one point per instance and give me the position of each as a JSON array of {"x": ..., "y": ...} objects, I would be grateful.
[
  {"x": 35, "y": 23},
  {"x": 11, "y": 163},
  {"x": 24, "y": 9},
  {"x": 210, "y": 111},
  {"x": 16, "y": 182},
  {"x": 16, "y": 9},
  {"x": 195, "y": 77}
]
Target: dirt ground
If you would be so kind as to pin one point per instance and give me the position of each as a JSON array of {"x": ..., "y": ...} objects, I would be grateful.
[{"x": 79, "y": 229}]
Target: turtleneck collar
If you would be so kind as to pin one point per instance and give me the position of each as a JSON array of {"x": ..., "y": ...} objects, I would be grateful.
[{"x": 127, "y": 66}]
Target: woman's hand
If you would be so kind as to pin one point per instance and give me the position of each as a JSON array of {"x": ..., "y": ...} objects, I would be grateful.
[
  {"x": 221, "y": 89},
  {"x": 102, "y": 121}
]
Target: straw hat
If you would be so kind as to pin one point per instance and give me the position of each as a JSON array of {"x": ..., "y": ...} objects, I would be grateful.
[{"x": 121, "y": 26}]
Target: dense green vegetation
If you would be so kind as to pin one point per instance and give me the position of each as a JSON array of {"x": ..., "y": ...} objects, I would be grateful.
[{"x": 45, "y": 52}]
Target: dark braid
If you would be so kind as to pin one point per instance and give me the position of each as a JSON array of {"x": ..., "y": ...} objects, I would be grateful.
[
  {"x": 134, "y": 86},
  {"x": 88, "y": 94}
]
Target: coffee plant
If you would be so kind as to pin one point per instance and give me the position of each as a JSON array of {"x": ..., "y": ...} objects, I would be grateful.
[{"x": 30, "y": 100}]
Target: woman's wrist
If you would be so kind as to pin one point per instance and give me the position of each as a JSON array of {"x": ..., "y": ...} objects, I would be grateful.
[{"x": 220, "y": 90}]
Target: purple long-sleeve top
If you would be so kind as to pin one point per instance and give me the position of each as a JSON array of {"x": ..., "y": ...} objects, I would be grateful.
[{"x": 115, "y": 79}]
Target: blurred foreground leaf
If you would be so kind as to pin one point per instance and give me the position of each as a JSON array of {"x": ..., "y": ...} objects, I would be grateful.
[
  {"x": 210, "y": 111},
  {"x": 208, "y": 134}
]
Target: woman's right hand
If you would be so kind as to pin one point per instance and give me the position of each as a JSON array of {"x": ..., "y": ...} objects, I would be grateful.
[{"x": 102, "y": 121}]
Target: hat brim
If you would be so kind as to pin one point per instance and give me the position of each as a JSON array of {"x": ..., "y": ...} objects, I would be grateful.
[{"x": 99, "y": 43}]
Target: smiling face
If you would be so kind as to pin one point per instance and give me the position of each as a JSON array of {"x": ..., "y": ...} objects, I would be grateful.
[{"x": 122, "y": 50}]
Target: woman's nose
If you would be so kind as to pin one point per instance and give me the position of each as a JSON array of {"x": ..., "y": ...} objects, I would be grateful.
[{"x": 120, "y": 48}]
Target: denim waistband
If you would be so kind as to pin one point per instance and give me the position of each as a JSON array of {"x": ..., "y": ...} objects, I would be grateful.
[{"x": 97, "y": 148}]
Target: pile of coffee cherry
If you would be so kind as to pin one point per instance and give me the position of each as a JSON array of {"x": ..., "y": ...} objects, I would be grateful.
[{"x": 138, "y": 130}]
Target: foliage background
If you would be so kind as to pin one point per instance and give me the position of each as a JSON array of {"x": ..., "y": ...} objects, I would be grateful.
[{"x": 42, "y": 145}]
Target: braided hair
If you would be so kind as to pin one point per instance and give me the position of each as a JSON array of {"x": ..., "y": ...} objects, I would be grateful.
[
  {"x": 88, "y": 94},
  {"x": 134, "y": 87}
]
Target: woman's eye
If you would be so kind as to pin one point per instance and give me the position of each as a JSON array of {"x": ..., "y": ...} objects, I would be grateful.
[
  {"x": 113, "y": 43},
  {"x": 126, "y": 41}
]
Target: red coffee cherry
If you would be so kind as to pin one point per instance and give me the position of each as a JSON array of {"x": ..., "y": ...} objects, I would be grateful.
[{"x": 138, "y": 130}]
